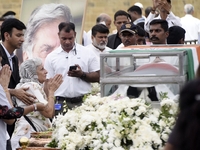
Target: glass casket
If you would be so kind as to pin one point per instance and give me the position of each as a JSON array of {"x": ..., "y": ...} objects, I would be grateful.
[{"x": 163, "y": 70}]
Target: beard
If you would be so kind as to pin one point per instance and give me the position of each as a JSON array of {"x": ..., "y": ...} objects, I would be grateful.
[{"x": 101, "y": 45}]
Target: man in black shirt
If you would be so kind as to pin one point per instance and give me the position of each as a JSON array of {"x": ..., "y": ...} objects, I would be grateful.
[{"x": 121, "y": 17}]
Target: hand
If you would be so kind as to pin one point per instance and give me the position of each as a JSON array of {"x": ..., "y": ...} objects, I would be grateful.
[
  {"x": 54, "y": 83},
  {"x": 24, "y": 96},
  {"x": 156, "y": 4},
  {"x": 40, "y": 106},
  {"x": 108, "y": 69},
  {"x": 76, "y": 73},
  {"x": 165, "y": 6},
  {"x": 5, "y": 74}
]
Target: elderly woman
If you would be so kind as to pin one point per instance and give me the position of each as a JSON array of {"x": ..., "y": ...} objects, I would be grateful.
[
  {"x": 33, "y": 75},
  {"x": 8, "y": 113}
]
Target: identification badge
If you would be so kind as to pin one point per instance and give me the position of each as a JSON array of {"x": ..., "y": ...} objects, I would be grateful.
[{"x": 57, "y": 106}]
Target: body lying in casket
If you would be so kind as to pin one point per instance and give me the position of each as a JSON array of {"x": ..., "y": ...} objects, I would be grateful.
[{"x": 150, "y": 91}]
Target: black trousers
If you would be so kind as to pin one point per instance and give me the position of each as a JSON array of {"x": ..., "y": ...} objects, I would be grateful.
[
  {"x": 8, "y": 145},
  {"x": 10, "y": 130},
  {"x": 67, "y": 103},
  {"x": 134, "y": 92}
]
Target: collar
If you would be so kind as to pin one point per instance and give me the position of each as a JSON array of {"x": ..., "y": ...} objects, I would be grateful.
[
  {"x": 139, "y": 20},
  {"x": 7, "y": 53},
  {"x": 168, "y": 17},
  {"x": 60, "y": 49},
  {"x": 189, "y": 15},
  {"x": 98, "y": 48}
]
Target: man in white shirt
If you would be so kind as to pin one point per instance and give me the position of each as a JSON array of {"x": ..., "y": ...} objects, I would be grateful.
[
  {"x": 131, "y": 34},
  {"x": 136, "y": 14},
  {"x": 103, "y": 18},
  {"x": 165, "y": 13},
  {"x": 190, "y": 24},
  {"x": 158, "y": 35},
  {"x": 158, "y": 31},
  {"x": 99, "y": 39},
  {"x": 78, "y": 65},
  {"x": 141, "y": 7}
]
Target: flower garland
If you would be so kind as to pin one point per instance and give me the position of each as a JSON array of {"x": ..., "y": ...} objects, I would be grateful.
[{"x": 114, "y": 123}]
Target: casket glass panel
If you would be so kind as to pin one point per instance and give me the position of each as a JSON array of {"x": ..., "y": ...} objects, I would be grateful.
[{"x": 143, "y": 68}]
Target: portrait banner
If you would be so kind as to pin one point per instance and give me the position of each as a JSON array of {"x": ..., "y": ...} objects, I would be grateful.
[{"x": 42, "y": 19}]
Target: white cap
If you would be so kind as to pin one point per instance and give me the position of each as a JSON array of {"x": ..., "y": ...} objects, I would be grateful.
[
  {"x": 139, "y": 5},
  {"x": 102, "y": 22}
]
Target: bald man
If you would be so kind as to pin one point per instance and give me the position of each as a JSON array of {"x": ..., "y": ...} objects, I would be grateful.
[
  {"x": 103, "y": 18},
  {"x": 190, "y": 24}
]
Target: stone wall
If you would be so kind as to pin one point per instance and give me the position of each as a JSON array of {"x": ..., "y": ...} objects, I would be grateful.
[
  {"x": 14, "y": 5},
  {"x": 95, "y": 7}
]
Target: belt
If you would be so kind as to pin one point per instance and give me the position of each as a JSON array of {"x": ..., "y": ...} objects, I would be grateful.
[{"x": 70, "y": 99}]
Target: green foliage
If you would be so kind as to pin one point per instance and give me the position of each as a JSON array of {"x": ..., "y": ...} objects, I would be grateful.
[
  {"x": 53, "y": 144},
  {"x": 85, "y": 97},
  {"x": 163, "y": 95}
]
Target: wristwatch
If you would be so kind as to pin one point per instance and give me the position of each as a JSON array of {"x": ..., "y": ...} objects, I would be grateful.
[
  {"x": 35, "y": 107},
  {"x": 83, "y": 76}
]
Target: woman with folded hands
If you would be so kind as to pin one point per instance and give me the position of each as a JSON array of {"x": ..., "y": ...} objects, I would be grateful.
[
  {"x": 8, "y": 113},
  {"x": 33, "y": 77}
]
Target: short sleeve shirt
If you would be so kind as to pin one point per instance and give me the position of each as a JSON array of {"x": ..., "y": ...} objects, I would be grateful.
[{"x": 59, "y": 61}]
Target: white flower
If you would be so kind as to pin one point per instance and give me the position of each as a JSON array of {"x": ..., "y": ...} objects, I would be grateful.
[
  {"x": 165, "y": 137},
  {"x": 115, "y": 124},
  {"x": 140, "y": 111},
  {"x": 117, "y": 142},
  {"x": 105, "y": 146},
  {"x": 129, "y": 111},
  {"x": 162, "y": 123},
  {"x": 155, "y": 112},
  {"x": 153, "y": 119}
]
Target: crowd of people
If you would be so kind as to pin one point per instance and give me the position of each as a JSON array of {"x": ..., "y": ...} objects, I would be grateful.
[{"x": 53, "y": 68}]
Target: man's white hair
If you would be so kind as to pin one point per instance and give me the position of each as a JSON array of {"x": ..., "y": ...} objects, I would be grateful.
[
  {"x": 43, "y": 14},
  {"x": 189, "y": 8}
]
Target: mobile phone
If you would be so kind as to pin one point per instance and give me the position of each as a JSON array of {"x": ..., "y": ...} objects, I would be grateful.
[{"x": 71, "y": 68}]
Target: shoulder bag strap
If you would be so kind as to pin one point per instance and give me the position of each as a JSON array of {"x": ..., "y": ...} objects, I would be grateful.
[{"x": 29, "y": 121}]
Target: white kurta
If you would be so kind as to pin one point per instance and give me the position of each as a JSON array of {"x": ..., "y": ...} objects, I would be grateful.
[{"x": 191, "y": 26}]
